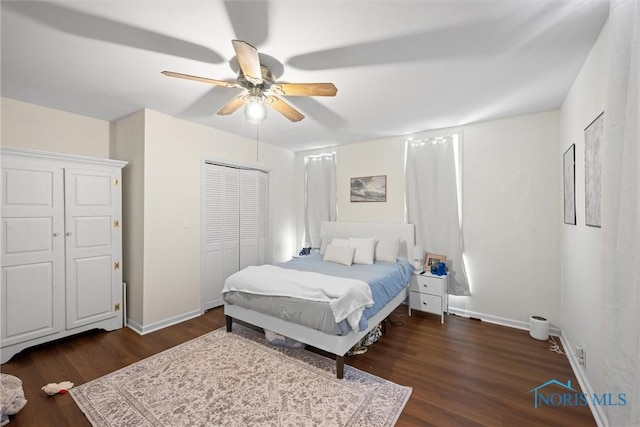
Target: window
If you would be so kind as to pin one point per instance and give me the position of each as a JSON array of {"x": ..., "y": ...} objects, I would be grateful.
[
  {"x": 433, "y": 201},
  {"x": 320, "y": 196}
]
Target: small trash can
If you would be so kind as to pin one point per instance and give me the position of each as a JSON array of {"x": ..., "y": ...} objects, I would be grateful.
[{"x": 539, "y": 328}]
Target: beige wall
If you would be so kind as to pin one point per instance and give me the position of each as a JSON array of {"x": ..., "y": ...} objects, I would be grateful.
[
  {"x": 173, "y": 154},
  {"x": 511, "y": 199},
  {"x": 39, "y": 128},
  {"x": 128, "y": 143},
  {"x": 379, "y": 157},
  {"x": 161, "y": 194}
]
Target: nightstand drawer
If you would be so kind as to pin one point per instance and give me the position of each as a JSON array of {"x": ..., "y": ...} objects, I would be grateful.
[
  {"x": 427, "y": 284},
  {"x": 426, "y": 302}
]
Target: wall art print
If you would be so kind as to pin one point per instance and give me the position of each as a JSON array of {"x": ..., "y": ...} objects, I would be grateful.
[
  {"x": 593, "y": 171},
  {"x": 369, "y": 189},
  {"x": 569, "y": 178}
]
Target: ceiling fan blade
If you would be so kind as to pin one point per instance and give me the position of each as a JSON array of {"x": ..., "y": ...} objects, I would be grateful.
[
  {"x": 249, "y": 61},
  {"x": 286, "y": 110},
  {"x": 307, "y": 89},
  {"x": 201, "y": 79},
  {"x": 233, "y": 105}
]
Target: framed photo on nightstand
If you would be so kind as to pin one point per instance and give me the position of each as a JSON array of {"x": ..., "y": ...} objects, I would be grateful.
[{"x": 432, "y": 260}]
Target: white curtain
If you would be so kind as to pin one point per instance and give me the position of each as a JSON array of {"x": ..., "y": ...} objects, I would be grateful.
[
  {"x": 621, "y": 213},
  {"x": 320, "y": 196},
  {"x": 432, "y": 204}
]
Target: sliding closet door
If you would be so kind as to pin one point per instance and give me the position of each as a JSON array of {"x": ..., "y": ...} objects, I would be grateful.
[
  {"x": 263, "y": 217},
  {"x": 254, "y": 208},
  {"x": 231, "y": 231},
  {"x": 235, "y": 211},
  {"x": 221, "y": 230},
  {"x": 248, "y": 218}
]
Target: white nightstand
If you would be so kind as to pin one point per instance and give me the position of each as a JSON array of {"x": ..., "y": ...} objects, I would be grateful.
[{"x": 429, "y": 294}]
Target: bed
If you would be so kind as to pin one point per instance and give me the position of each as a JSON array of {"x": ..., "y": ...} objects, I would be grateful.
[{"x": 333, "y": 337}]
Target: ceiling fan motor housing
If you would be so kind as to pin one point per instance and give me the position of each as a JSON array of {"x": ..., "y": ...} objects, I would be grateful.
[{"x": 267, "y": 79}]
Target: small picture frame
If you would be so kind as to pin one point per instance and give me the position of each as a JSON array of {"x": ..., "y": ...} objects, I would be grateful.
[
  {"x": 432, "y": 260},
  {"x": 593, "y": 135},
  {"x": 569, "y": 177}
]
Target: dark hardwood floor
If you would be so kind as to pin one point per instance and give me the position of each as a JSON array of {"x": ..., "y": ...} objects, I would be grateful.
[{"x": 463, "y": 373}]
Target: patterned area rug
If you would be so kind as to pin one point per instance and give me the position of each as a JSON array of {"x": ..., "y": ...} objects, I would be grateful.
[{"x": 236, "y": 379}]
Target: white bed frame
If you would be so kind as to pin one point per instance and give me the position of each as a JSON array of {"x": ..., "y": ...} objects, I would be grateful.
[{"x": 335, "y": 344}]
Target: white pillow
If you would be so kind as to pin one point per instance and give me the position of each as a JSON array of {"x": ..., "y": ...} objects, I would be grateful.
[
  {"x": 326, "y": 241},
  {"x": 388, "y": 249},
  {"x": 340, "y": 242},
  {"x": 339, "y": 254},
  {"x": 365, "y": 249},
  {"x": 330, "y": 240}
]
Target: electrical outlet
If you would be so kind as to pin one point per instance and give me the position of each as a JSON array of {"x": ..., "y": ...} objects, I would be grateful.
[{"x": 581, "y": 355}]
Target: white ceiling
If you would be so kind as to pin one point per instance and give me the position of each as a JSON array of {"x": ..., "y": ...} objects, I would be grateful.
[{"x": 400, "y": 67}]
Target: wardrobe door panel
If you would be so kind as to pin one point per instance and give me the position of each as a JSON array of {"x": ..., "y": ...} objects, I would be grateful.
[
  {"x": 32, "y": 294},
  {"x": 93, "y": 286},
  {"x": 94, "y": 280}
]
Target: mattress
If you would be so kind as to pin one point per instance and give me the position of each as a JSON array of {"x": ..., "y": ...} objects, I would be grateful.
[{"x": 385, "y": 279}]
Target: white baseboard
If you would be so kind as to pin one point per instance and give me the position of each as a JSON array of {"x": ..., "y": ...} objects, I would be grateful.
[
  {"x": 145, "y": 329},
  {"x": 489, "y": 318},
  {"x": 585, "y": 385},
  {"x": 578, "y": 371}
]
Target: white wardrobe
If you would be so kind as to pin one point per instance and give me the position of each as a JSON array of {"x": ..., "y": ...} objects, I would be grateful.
[
  {"x": 61, "y": 247},
  {"x": 235, "y": 212}
]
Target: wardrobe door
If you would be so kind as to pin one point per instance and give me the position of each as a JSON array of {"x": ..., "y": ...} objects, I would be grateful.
[
  {"x": 32, "y": 251},
  {"x": 93, "y": 239},
  {"x": 221, "y": 230}
]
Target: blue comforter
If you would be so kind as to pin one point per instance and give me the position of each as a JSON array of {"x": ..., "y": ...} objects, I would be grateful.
[{"x": 386, "y": 279}]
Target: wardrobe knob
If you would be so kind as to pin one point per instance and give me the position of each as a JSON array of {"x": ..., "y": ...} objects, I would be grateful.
[
  {"x": 68, "y": 233},
  {"x": 56, "y": 234}
]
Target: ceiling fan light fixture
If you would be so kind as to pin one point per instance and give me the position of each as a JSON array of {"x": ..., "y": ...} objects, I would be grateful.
[{"x": 255, "y": 109}]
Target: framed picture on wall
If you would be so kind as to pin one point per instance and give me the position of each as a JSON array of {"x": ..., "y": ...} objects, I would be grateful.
[
  {"x": 369, "y": 189},
  {"x": 592, "y": 171},
  {"x": 569, "y": 178}
]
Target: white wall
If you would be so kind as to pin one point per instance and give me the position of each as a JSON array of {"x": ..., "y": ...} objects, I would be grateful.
[
  {"x": 510, "y": 217},
  {"x": 581, "y": 246},
  {"x": 511, "y": 197},
  {"x": 39, "y": 128}
]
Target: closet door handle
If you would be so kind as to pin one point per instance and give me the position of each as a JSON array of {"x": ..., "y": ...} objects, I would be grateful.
[
  {"x": 68, "y": 233},
  {"x": 56, "y": 234}
]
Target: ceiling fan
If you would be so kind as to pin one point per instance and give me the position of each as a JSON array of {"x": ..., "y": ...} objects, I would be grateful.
[{"x": 260, "y": 87}]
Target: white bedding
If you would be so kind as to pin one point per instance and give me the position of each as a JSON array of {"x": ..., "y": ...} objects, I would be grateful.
[{"x": 347, "y": 297}]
